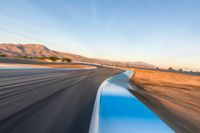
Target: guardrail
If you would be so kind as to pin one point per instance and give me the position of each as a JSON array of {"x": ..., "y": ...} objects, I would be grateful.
[{"x": 116, "y": 110}]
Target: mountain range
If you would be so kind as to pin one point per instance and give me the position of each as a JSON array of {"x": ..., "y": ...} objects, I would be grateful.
[{"x": 38, "y": 50}]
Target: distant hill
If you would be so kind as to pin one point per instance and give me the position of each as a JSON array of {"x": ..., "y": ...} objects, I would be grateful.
[
  {"x": 34, "y": 50},
  {"x": 37, "y": 50}
]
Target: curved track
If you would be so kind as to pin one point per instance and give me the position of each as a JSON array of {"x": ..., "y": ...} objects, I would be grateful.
[{"x": 49, "y": 100}]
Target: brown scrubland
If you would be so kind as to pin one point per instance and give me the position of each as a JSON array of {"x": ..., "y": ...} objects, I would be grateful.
[{"x": 175, "y": 97}]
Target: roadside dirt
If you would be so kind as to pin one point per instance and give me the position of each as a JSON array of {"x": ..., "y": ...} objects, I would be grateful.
[
  {"x": 174, "y": 97},
  {"x": 15, "y": 65}
]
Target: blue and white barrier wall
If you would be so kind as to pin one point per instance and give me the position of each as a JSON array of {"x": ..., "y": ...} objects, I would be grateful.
[{"x": 116, "y": 110}]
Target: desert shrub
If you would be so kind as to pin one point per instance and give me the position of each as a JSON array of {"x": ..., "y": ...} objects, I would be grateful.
[
  {"x": 66, "y": 60},
  {"x": 2, "y": 55},
  {"x": 170, "y": 68},
  {"x": 53, "y": 58},
  {"x": 22, "y": 56},
  {"x": 42, "y": 58}
]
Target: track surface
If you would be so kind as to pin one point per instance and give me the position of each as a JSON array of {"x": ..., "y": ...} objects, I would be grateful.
[{"x": 49, "y": 100}]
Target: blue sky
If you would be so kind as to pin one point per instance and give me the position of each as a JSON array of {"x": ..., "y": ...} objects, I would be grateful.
[{"x": 162, "y": 32}]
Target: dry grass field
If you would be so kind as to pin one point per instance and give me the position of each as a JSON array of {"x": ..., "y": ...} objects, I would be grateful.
[{"x": 173, "y": 96}]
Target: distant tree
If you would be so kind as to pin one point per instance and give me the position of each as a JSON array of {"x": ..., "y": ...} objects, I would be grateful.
[
  {"x": 53, "y": 58},
  {"x": 170, "y": 68},
  {"x": 66, "y": 60},
  {"x": 180, "y": 70},
  {"x": 157, "y": 68}
]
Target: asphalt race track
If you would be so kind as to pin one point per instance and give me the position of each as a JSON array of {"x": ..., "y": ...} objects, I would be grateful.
[{"x": 49, "y": 100}]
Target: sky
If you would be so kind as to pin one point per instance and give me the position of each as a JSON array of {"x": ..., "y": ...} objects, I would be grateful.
[{"x": 161, "y": 32}]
